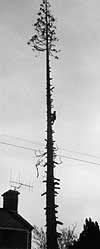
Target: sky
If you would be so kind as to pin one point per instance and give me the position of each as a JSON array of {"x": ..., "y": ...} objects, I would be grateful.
[{"x": 77, "y": 103}]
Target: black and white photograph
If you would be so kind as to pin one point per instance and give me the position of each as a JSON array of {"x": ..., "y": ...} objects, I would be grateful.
[{"x": 49, "y": 124}]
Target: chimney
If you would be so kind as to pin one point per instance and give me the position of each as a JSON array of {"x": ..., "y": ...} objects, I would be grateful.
[{"x": 10, "y": 200}]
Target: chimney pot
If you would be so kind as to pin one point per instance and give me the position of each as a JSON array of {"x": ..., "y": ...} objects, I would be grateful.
[{"x": 10, "y": 200}]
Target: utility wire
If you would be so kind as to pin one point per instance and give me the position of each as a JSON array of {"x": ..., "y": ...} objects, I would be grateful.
[
  {"x": 80, "y": 160},
  {"x": 80, "y": 153},
  {"x": 66, "y": 157},
  {"x": 41, "y": 144},
  {"x": 22, "y": 139},
  {"x": 18, "y": 146},
  {"x": 60, "y": 148}
]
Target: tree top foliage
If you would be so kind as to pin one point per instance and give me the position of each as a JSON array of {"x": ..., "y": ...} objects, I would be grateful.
[{"x": 44, "y": 31}]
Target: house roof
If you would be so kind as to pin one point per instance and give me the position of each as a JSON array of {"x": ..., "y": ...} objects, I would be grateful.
[{"x": 12, "y": 220}]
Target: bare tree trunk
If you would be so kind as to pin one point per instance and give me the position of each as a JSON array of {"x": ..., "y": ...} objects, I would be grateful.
[{"x": 50, "y": 197}]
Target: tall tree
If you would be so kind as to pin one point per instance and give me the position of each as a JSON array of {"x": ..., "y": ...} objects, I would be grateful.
[
  {"x": 89, "y": 237},
  {"x": 44, "y": 39}
]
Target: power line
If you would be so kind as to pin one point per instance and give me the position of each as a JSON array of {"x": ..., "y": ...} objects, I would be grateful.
[
  {"x": 22, "y": 139},
  {"x": 80, "y": 160},
  {"x": 63, "y": 156},
  {"x": 18, "y": 146},
  {"x": 41, "y": 144},
  {"x": 80, "y": 153}
]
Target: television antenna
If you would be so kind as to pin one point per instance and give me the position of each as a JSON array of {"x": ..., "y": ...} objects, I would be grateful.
[{"x": 17, "y": 184}]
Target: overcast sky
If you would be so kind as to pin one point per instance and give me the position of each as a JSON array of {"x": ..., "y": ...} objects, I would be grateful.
[{"x": 77, "y": 102}]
